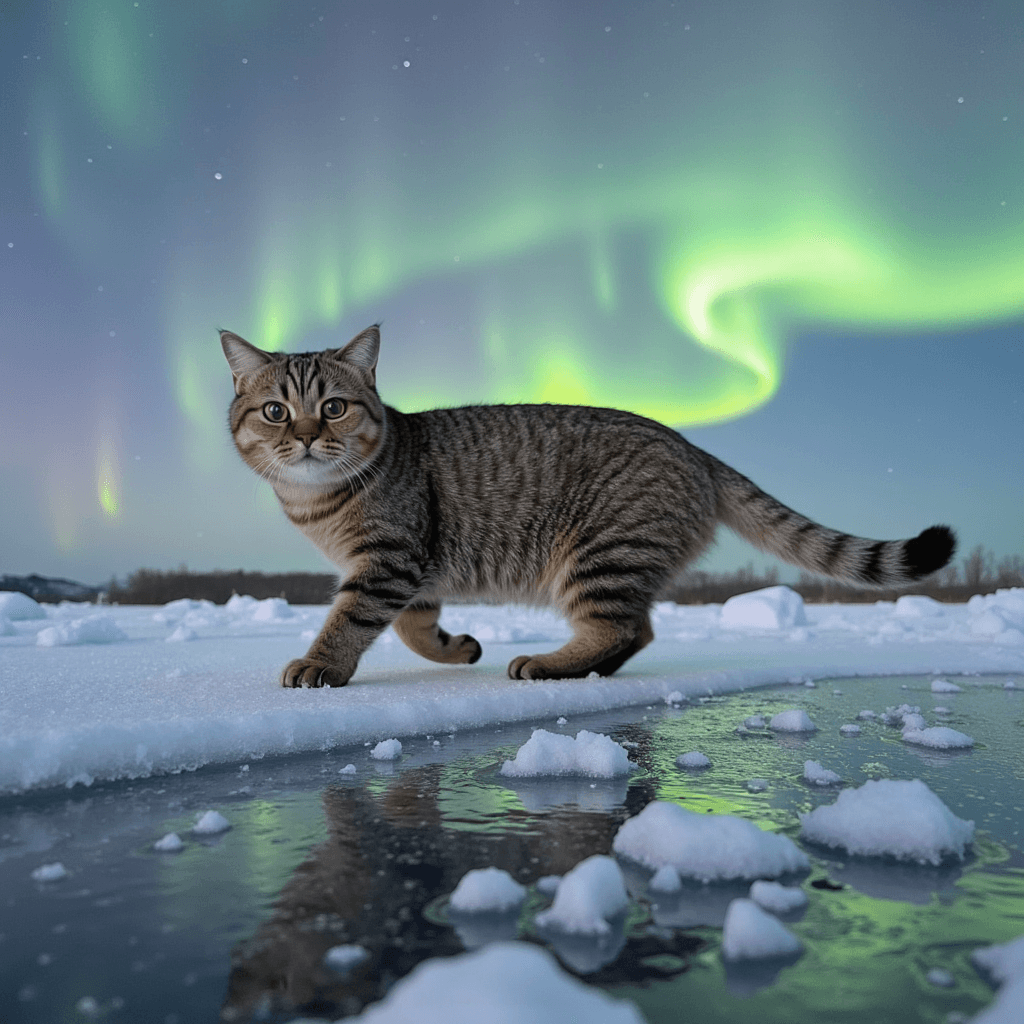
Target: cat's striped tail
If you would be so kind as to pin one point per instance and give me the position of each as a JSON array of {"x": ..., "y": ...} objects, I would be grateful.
[{"x": 772, "y": 527}]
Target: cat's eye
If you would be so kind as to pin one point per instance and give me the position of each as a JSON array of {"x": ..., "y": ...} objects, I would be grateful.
[
  {"x": 275, "y": 412},
  {"x": 333, "y": 408}
]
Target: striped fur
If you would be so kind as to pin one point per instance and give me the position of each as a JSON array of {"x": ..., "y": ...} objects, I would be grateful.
[{"x": 592, "y": 511}]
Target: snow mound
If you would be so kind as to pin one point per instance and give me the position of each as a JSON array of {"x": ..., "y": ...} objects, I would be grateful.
[
  {"x": 186, "y": 607},
  {"x": 867, "y": 715},
  {"x": 387, "y": 750},
  {"x": 94, "y": 629},
  {"x": 752, "y": 934},
  {"x": 818, "y": 776},
  {"x": 794, "y": 720},
  {"x": 914, "y": 606},
  {"x": 547, "y": 753},
  {"x": 849, "y": 730},
  {"x": 50, "y": 873},
  {"x": 487, "y": 890},
  {"x": 665, "y": 879},
  {"x": 693, "y": 759},
  {"x": 503, "y": 983},
  {"x": 945, "y": 686},
  {"x": 938, "y": 737},
  {"x": 778, "y": 899},
  {"x": 889, "y": 817},
  {"x": 587, "y": 897},
  {"x": 170, "y": 843},
  {"x": 913, "y": 723},
  {"x": 771, "y": 608},
  {"x": 272, "y": 609},
  {"x": 754, "y": 722},
  {"x": 210, "y": 824},
  {"x": 343, "y": 958},
  {"x": 183, "y": 634},
  {"x": 707, "y": 847},
  {"x": 14, "y": 606}
]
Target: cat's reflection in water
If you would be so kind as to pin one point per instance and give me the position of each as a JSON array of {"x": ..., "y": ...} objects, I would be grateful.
[{"x": 386, "y": 858}]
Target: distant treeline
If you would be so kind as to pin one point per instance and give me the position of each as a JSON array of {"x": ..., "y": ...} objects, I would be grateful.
[{"x": 978, "y": 573}]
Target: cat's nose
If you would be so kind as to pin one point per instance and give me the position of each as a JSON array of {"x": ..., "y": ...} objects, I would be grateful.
[{"x": 306, "y": 430}]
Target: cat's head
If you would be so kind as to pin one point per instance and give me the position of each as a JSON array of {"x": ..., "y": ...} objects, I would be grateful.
[{"x": 311, "y": 419}]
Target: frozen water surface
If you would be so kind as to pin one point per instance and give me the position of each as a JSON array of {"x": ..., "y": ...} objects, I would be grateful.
[{"x": 238, "y": 924}]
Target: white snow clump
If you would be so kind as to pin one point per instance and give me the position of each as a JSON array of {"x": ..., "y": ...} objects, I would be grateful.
[
  {"x": 210, "y": 824},
  {"x": 387, "y": 750},
  {"x": 487, "y": 890},
  {"x": 818, "y": 776},
  {"x": 794, "y": 720},
  {"x": 945, "y": 686},
  {"x": 665, "y": 879},
  {"x": 707, "y": 847},
  {"x": 503, "y": 983},
  {"x": 343, "y": 958},
  {"x": 849, "y": 730},
  {"x": 547, "y": 753},
  {"x": 938, "y": 737},
  {"x": 751, "y": 934},
  {"x": 757, "y": 785},
  {"x": 693, "y": 759},
  {"x": 94, "y": 629},
  {"x": 771, "y": 608},
  {"x": 14, "y": 606},
  {"x": 916, "y": 606},
  {"x": 779, "y": 899},
  {"x": 170, "y": 843},
  {"x": 587, "y": 897},
  {"x": 1005, "y": 964},
  {"x": 50, "y": 873},
  {"x": 889, "y": 817}
]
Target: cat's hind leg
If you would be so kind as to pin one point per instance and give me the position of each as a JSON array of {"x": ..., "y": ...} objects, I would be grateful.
[
  {"x": 598, "y": 645},
  {"x": 418, "y": 629}
]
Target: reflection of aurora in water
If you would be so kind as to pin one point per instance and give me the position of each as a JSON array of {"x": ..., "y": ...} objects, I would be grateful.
[
  {"x": 317, "y": 858},
  {"x": 631, "y": 207}
]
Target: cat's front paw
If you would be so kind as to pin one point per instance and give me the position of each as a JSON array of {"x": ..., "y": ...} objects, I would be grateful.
[
  {"x": 305, "y": 672},
  {"x": 529, "y": 666}
]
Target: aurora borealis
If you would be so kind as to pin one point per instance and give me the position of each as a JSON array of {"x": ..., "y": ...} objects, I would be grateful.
[{"x": 680, "y": 209}]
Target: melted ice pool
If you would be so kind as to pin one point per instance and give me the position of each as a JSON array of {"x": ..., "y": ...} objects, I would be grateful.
[{"x": 236, "y": 924}]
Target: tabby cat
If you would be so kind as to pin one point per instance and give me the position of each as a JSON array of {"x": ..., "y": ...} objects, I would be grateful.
[{"x": 590, "y": 510}]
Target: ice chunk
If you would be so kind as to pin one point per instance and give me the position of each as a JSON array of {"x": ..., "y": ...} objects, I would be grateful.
[
  {"x": 502, "y": 983},
  {"x": 751, "y": 934},
  {"x": 945, "y": 686},
  {"x": 757, "y": 785},
  {"x": 665, "y": 879},
  {"x": 818, "y": 776},
  {"x": 779, "y": 899},
  {"x": 675, "y": 697},
  {"x": 547, "y": 753},
  {"x": 794, "y": 720},
  {"x": 210, "y": 824},
  {"x": 693, "y": 759},
  {"x": 849, "y": 730},
  {"x": 387, "y": 750},
  {"x": 772, "y": 608},
  {"x": 754, "y": 722},
  {"x": 889, "y": 817},
  {"x": 94, "y": 629},
  {"x": 587, "y": 897},
  {"x": 15, "y": 606},
  {"x": 50, "y": 872},
  {"x": 487, "y": 890},
  {"x": 912, "y": 723},
  {"x": 866, "y": 716},
  {"x": 343, "y": 958},
  {"x": 349, "y": 769},
  {"x": 938, "y": 737},
  {"x": 708, "y": 847},
  {"x": 170, "y": 843}
]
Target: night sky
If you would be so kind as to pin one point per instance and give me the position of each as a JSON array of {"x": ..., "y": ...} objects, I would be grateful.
[{"x": 794, "y": 229}]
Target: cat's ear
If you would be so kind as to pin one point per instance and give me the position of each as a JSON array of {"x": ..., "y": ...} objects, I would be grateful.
[
  {"x": 242, "y": 357},
  {"x": 362, "y": 351}
]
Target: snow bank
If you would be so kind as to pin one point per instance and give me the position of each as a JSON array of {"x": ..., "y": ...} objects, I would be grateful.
[
  {"x": 17, "y": 606},
  {"x": 794, "y": 720},
  {"x": 776, "y": 898},
  {"x": 548, "y": 753},
  {"x": 887, "y": 817},
  {"x": 504, "y": 983},
  {"x": 772, "y": 608},
  {"x": 707, "y": 847},
  {"x": 587, "y": 898},
  {"x": 487, "y": 890},
  {"x": 93, "y": 629},
  {"x": 752, "y": 934},
  {"x": 938, "y": 737}
]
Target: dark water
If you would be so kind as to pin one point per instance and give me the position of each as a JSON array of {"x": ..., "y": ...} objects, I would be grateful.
[{"x": 235, "y": 927}]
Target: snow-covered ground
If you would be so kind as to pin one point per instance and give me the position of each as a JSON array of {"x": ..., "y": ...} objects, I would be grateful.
[{"x": 108, "y": 693}]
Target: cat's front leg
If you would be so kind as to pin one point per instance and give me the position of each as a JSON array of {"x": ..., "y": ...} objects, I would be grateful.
[{"x": 363, "y": 609}]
